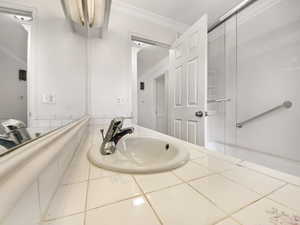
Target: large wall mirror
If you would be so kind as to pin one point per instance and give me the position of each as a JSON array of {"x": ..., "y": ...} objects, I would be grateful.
[{"x": 17, "y": 126}]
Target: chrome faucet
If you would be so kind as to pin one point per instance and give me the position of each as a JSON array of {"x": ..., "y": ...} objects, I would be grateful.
[
  {"x": 13, "y": 132},
  {"x": 114, "y": 133}
]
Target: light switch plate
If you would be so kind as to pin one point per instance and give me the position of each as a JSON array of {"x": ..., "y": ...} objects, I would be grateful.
[
  {"x": 49, "y": 99},
  {"x": 121, "y": 100}
]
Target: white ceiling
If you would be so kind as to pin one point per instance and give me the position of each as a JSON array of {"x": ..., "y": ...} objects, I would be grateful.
[
  {"x": 149, "y": 56},
  {"x": 186, "y": 11}
]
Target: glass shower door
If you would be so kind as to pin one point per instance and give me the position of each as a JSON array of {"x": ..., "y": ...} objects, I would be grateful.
[
  {"x": 268, "y": 74},
  {"x": 216, "y": 90}
]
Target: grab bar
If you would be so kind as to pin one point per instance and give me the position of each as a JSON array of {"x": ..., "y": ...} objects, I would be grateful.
[
  {"x": 219, "y": 100},
  {"x": 286, "y": 104}
]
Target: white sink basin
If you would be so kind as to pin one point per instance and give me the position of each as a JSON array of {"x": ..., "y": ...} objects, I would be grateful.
[{"x": 141, "y": 155}]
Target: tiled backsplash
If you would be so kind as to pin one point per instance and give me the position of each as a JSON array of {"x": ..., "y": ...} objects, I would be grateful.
[{"x": 35, "y": 200}]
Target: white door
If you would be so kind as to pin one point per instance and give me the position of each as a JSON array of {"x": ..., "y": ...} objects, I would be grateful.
[
  {"x": 160, "y": 104},
  {"x": 188, "y": 77}
]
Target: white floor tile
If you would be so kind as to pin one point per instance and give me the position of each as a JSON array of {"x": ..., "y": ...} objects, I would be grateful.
[
  {"x": 258, "y": 182},
  {"x": 111, "y": 189},
  {"x": 77, "y": 219},
  {"x": 228, "y": 221},
  {"x": 222, "y": 156},
  {"x": 48, "y": 182},
  {"x": 289, "y": 196},
  {"x": 181, "y": 205},
  {"x": 192, "y": 171},
  {"x": 273, "y": 173},
  {"x": 100, "y": 173},
  {"x": 267, "y": 212},
  {"x": 226, "y": 194},
  {"x": 68, "y": 200},
  {"x": 80, "y": 158},
  {"x": 154, "y": 182},
  {"x": 77, "y": 172},
  {"x": 27, "y": 209},
  {"x": 214, "y": 164},
  {"x": 130, "y": 212},
  {"x": 194, "y": 154}
]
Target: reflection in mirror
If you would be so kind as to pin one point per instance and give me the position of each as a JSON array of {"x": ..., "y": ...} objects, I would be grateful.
[
  {"x": 152, "y": 70},
  {"x": 16, "y": 128},
  {"x": 13, "y": 75}
]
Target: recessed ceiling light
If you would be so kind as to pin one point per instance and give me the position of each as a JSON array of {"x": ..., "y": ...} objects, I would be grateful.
[
  {"x": 140, "y": 44},
  {"x": 23, "y": 18}
]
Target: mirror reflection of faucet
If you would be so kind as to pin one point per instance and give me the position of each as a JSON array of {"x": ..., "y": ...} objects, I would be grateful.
[
  {"x": 114, "y": 133},
  {"x": 13, "y": 133}
]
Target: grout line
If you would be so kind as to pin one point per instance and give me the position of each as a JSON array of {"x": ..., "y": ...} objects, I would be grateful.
[
  {"x": 249, "y": 188},
  {"x": 144, "y": 194},
  {"x": 221, "y": 220},
  {"x": 196, "y": 178},
  {"x": 78, "y": 149},
  {"x": 80, "y": 146},
  {"x": 114, "y": 175},
  {"x": 164, "y": 188},
  {"x": 235, "y": 220},
  {"x": 62, "y": 217},
  {"x": 268, "y": 175},
  {"x": 187, "y": 183},
  {"x": 146, "y": 198},
  {"x": 228, "y": 215},
  {"x": 114, "y": 202},
  {"x": 262, "y": 197},
  {"x": 39, "y": 200},
  {"x": 240, "y": 164},
  {"x": 86, "y": 195},
  {"x": 74, "y": 182},
  {"x": 230, "y": 218},
  {"x": 280, "y": 203}
]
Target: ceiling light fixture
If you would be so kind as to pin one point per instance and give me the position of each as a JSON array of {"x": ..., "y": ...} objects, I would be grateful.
[{"x": 87, "y": 17}]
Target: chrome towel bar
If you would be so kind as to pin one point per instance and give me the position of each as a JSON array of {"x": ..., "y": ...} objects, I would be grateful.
[
  {"x": 286, "y": 104},
  {"x": 219, "y": 100}
]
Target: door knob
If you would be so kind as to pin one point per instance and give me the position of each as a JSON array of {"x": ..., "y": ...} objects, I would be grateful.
[{"x": 199, "y": 114}]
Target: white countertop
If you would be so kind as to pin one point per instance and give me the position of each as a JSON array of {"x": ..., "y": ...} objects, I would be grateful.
[{"x": 211, "y": 189}]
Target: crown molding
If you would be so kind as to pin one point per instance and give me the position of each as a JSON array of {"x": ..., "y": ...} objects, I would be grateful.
[{"x": 149, "y": 16}]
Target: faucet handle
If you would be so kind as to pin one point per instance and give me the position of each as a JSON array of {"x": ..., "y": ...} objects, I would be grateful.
[
  {"x": 127, "y": 118},
  {"x": 102, "y": 133}
]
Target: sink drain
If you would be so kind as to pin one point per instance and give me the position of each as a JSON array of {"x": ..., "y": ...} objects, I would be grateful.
[{"x": 167, "y": 147}]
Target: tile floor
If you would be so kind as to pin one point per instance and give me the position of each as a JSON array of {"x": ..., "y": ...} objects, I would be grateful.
[{"x": 209, "y": 190}]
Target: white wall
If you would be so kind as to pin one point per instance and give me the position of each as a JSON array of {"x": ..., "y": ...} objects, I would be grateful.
[
  {"x": 110, "y": 70},
  {"x": 149, "y": 56},
  {"x": 56, "y": 63},
  {"x": 146, "y": 97}
]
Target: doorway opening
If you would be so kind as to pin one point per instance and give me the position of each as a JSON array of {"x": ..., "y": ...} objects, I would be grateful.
[
  {"x": 171, "y": 84},
  {"x": 152, "y": 64}
]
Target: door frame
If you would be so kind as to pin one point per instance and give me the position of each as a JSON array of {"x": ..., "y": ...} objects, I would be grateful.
[
  {"x": 165, "y": 74},
  {"x": 133, "y": 68}
]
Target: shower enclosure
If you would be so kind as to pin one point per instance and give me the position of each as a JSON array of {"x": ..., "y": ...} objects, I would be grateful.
[{"x": 254, "y": 77}]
